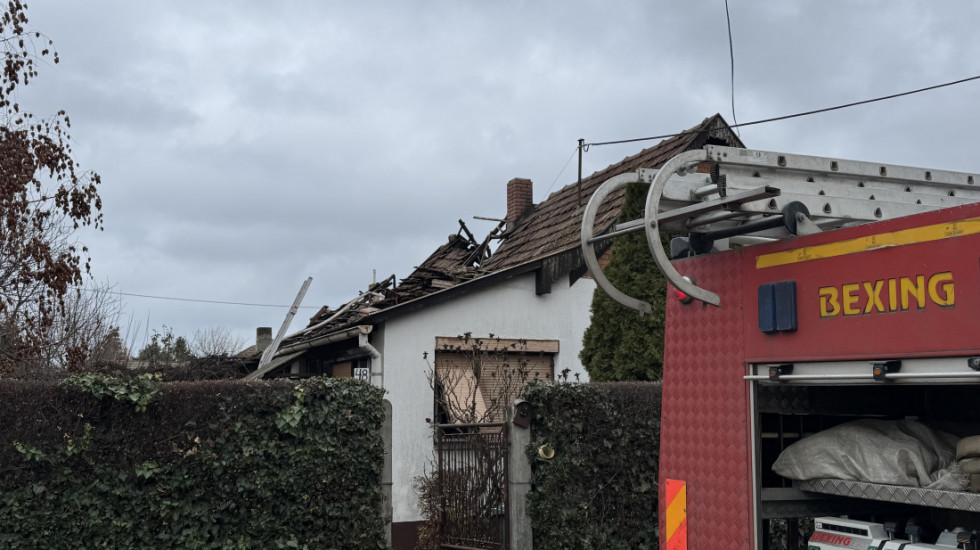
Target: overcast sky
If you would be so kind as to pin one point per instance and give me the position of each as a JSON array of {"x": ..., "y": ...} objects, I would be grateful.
[{"x": 245, "y": 146}]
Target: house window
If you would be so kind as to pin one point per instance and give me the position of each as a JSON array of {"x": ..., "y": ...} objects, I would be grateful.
[
  {"x": 477, "y": 379},
  {"x": 342, "y": 370},
  {"x": 316, "y": 367}
]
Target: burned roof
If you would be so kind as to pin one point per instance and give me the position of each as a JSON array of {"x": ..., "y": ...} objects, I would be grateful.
[
  {"x": 456, "y": 261},
  {"x": 554, "y": 226},
  {"x": 551, "y": 228}
]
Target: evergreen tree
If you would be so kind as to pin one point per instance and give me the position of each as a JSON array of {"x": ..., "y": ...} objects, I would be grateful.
[
  {"x": 180, "y": 352},
  {"x": 165, "y": 349},
  {"x": 620, "y": 344}
]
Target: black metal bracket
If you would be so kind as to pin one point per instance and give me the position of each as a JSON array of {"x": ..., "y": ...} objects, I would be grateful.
[
  {"x": 776, "y": 371},
  {"x": 880, "y": 369}
]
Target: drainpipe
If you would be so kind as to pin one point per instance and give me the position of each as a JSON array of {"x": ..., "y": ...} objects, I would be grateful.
[{"x": 377, "y": 374}]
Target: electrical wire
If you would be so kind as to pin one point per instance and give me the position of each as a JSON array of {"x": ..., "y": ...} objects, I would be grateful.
[
  {"x": 731, "y": 56},
  {"x": 570, "y": 157},
  {"x": 196, "y": 300},
  {"x": 614, "y": 142},
  {"x": 797, "y": 115}
]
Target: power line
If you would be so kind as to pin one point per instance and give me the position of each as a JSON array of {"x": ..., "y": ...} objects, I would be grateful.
[
  {"x": 570, "y": 157},
  {"x": 175, "y": 299},
  {"x": 797, "y": 115},
  {"x": 731, "y": 56},
  {"x": 614, "y": 142}
]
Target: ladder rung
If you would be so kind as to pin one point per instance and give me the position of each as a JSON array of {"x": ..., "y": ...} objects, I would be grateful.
[
  {"x": 732, "y": 200},
  {"x": 619, "y": 229}
]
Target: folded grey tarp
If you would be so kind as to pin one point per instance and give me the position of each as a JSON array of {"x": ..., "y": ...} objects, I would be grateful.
[{"x": 902, "y": 452}]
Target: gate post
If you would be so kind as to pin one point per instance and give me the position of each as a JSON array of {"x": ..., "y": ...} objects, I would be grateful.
[{"x": 519, "y": 475}]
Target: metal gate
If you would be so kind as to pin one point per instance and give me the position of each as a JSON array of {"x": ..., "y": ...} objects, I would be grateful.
[{"x": 472, "y": 477}]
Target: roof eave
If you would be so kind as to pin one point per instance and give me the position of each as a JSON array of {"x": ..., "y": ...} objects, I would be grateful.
[
  {"x": 347, "y": 333},
  {"x": 465, "y": 288}
]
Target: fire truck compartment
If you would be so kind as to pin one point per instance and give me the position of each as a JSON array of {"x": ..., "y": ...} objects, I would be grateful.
[{"x": 787, "y": 413}]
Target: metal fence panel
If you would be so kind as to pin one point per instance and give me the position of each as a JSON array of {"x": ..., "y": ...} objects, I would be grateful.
[{"x": 472, "y": 478}]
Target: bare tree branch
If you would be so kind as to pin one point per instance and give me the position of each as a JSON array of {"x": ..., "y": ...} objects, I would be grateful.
[
  {"x": 476, "y": 379},
  {"x": 215, "y": 341},
  {"x": 44, "y": 198}
]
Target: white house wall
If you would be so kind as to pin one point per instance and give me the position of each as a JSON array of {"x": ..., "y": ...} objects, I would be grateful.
[{"x": 509, "y": 309}]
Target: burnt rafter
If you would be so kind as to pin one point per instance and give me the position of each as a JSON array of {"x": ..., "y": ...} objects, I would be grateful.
[
  {"x": 481, "y": 252},
  {"x": 385, "y": 284},
  {"x": 457, "y": 261},
  {"x": 464, "y": 229}
]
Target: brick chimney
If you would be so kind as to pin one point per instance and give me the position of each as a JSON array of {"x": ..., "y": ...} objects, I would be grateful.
[
  {"x": 263, "y": 337},
  {"x": 519, "y": 199}
]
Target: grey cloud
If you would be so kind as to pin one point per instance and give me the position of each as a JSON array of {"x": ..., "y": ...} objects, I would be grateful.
[{"x": 247, "y": 145}]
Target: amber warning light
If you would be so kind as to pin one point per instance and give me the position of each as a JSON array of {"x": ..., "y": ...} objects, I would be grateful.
[{"x": 680, "y": 295}]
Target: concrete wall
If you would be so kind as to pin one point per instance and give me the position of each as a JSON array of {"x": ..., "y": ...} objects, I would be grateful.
[{"x": 507, "y": 310}]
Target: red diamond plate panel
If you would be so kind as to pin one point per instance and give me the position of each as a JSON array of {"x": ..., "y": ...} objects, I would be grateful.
[{"x": 705, "y": 421}]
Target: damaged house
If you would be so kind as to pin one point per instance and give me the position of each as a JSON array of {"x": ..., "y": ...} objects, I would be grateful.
[{"x": 532, "y": 292}]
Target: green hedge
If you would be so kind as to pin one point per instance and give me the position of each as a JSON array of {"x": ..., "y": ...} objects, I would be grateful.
[
  {"x": 97, "y": 461},
  {"x": 195, "y": 369},
  {"x": 599, "y": 490}
]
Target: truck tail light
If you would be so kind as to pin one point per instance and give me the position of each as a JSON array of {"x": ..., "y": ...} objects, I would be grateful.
[{"x": 682, "y": 297}]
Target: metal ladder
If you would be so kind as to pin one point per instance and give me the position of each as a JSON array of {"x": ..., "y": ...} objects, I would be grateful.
[{"x": 752, "y": 196}]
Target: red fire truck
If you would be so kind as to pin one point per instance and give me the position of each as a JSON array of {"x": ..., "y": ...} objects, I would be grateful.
[{"x": 811, "y": 293}]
